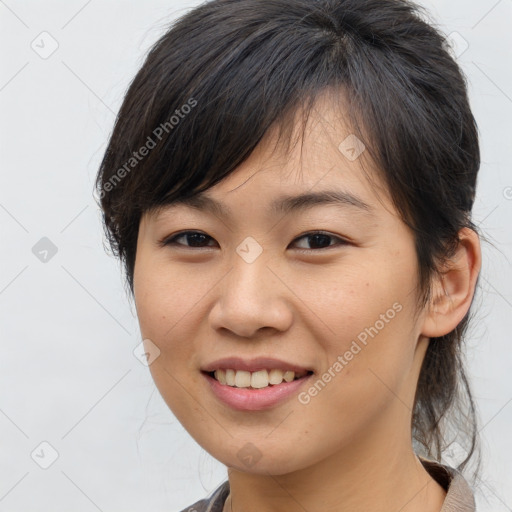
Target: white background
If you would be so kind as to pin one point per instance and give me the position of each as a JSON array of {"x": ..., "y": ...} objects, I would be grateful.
[{"x": 67, "y": 372}]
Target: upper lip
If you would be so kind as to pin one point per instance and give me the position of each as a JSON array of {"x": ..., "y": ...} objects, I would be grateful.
[{"x": 253, "y": 365}]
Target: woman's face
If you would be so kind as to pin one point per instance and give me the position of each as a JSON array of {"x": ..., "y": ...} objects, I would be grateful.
[{"x": 256, "y": 283}]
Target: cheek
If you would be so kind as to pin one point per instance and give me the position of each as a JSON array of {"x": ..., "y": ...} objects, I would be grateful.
[
  {"x": 166, "y": 296},
  {"x": 354, "y": 299},
  {"x": 359, "y": 384},
  {"x": 364, "y": 323},
  {"x": 168, "y": 303}
]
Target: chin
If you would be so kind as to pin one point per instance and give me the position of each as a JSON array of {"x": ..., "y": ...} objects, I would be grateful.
[{"x": 262, "y": 458}]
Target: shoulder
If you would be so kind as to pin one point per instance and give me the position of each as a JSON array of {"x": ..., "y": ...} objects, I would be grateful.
[
  {"x": 459, "y": 495},
  {"x": 215, "y": 503}
]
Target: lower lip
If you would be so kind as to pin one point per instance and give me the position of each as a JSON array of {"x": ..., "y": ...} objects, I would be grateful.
[{"x": 249, "y": 399}]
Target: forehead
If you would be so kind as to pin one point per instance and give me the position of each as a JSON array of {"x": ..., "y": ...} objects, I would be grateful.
[{"x": 325, "y": 163}]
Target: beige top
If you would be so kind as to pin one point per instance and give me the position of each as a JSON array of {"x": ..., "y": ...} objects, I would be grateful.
[{"x": 459, "y": 496}]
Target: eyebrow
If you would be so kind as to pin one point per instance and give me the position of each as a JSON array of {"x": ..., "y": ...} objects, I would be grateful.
[{"x": 281, "y": 205}]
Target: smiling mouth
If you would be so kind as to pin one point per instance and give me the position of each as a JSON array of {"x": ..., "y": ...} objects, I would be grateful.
[{"x": 255, "y": 380}]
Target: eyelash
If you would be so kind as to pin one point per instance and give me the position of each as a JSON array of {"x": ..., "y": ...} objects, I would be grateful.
[{"x": 171, "y": 241}]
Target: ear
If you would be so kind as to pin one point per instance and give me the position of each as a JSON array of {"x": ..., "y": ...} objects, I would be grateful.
[{"x": 453, "y": 290}]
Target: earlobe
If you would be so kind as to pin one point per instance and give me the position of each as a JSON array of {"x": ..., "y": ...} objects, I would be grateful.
[{"x": 454, "y": 288}]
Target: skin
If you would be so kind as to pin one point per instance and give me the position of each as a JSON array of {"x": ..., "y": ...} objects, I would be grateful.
[{"x": 349, "y": 448}]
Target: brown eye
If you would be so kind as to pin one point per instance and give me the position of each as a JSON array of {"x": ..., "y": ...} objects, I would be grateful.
[
  {"x": 320, "y": 240},
  {"x": 194, "y": 239}
]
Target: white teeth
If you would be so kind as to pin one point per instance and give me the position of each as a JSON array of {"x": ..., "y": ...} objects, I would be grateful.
[
  {"x": 275, "y": 376},
  {"x": 230, "y": 377},
  {"x": 242, "y": 379},
  {"x": 220, "y": 375},
  {"x": 258, "y": 379},
  {"x": 289, "y": 376}
]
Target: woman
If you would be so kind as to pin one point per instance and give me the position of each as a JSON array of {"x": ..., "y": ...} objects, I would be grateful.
[{"x": 289, "y": 185}]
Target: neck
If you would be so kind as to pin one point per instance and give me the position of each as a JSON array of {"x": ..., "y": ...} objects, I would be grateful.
[{"x": 379, "y": 476}]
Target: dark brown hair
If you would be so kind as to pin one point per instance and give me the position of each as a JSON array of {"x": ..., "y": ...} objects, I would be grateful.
[{"x": 229, "y": 70}]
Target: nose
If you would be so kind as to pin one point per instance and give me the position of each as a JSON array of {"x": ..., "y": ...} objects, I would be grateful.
[{"x": 251, "y": 298}]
